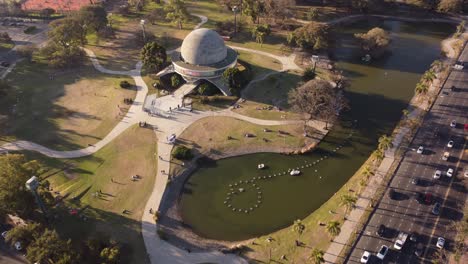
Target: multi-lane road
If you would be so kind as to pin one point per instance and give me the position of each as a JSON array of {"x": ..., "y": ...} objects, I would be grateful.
[{"x": 404, "y": 212}]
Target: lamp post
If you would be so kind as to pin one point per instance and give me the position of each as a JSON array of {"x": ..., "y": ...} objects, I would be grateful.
[
  {"x": 32, "y": 185},
  {"x": 235, "y": 9},
  {"x": 142, "y": 23},
  {"x": 109, "y": 20}
]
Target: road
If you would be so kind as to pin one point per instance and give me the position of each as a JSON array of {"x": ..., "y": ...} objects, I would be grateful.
[{"x": 404, "y": 212}]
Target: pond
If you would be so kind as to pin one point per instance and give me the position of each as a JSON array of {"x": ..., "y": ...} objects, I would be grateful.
[{"x": 212, "y": 202}]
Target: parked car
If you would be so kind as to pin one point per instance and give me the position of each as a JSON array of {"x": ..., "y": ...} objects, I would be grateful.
[
  {"x": 382, "y": 252},
  {"x": 450, "y": 144},
  {"x": 465, "y": 127},
  {"x": 419, "y": 197},
  {"x": 428, "y": 198},
  {"x": 446, "y": 155},
  {"x": 381, "y": 231},
  {"x": 419, "y": 250},
  {"x": 449, "y": 172},
  {"x": 436, "y": 209},
  {"x": 365, "y": 257},
  {"x": 415, "y": 181},
  {"x": 420, "y": 150},
  {"x": 440, "y": 242},
  {"x": 437, "y": 174},
  {"x": 453, "y": 123}
]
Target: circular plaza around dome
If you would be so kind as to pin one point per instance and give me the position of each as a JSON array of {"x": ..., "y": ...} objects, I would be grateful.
[{"x": 203, "y": 55}]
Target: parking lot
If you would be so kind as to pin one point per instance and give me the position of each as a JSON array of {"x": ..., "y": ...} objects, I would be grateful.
[{"x": 417, "y": 188}]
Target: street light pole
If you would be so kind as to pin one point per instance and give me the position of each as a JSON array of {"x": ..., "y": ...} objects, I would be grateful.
[
  {"x": 235, "y": 9},
  {"x": 32, "y": 185},
  {"x": 142, "y": 23}
]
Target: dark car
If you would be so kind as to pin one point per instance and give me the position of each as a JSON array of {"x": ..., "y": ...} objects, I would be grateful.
[
  {"x": 4, "y": 64},
  {"x": 392, "y": 194},
  {"x": 419, "y": 197},
  {"x": 381, "y": 231},
  {"x": 418, "y": 251},
  {"x": 436, "y": 209},
  {"x": 428, "y": 198},
  {"x": 415, "y": 181},
  {"x": 413, "y": 237}
]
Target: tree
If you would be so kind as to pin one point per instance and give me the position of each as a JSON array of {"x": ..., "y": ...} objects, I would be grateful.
[
  {"x": 14, "y": 197},
  {"x": 437, "y": 66},
  {"x": 317, "y": 256},
  {"x": 156, "y": 14},
  {"x": 233, "y": 79},
  {"x": 319, "y": 100},
  {"x": 313, "y": 13},
  {"x": 278, "y": 9},
  {"x": 182, "y": 153},
  {"x": 26, "y": 51},
  {"x": 298, "y": 226},
  {"x": 251, "y": 8},
  {"x": 374, "y": 42},
  {"x": 24, "y": 234},
  {"x": 176, "y": 12},
  {"x": 49, "y": 248},
  {"x": 207, "y": 88},
  {"x": 153, "y": 56},
  {"x": 259, "y": 32},
  {"x": 348, "y": 201},
  {"x": 175, "y": 80},
  {"x": 421, "y": 88},
  {"x": 5, "y": 37},
  {"x": 333, "y": 228},
  {"x": 450, "y": 6},
  {"x": 62, "y": 56},
  {"x": 313, "y": 36},
  {"x": 111, "y": 254},
  {"x": 308, "y": 74},
  {"x": 93, "y": 16},
  {"x": 67, "y": 32},
  {"x": 385, "y": 142},
  {"x": 428, "y": 76},
  {"x": 367, "y": 171}
]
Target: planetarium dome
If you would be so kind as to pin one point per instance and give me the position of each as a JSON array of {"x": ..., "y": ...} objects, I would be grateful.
[{"x": 203, "y": 47}]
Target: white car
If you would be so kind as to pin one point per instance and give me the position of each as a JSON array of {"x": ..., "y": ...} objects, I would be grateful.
[
  {"x": 449, "y": 172},
  {"x": 420, "y": 150},
  {"x": 453, "y": 123},
  {"x": 437, "y": 174},
  {"x": 458, "y": 67},
  {"x": 450, "y": 144},
  {"x": 382, "y": 252},
  {"x": 18, "y": 246},
  {"x": 440, "y": 242},
  {"x": 365, "y": 257}
]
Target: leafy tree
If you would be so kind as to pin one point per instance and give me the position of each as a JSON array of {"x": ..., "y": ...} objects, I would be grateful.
[
  {"x": 175, "y": 80},
  {"x": 156, "y": 14},
  {"x": 14, "y": 197},
  {"x": 319, "y": 100},
  {"x": 24, "y": 234},
  {"x": 308, "y": 74},
  {"x": 348, "y": 201},
  {"x": 428, "y": 76},
  {"x": 374, "y": 42},
  {"x": 313, "y": 36},
  {"x": 278, "y": 9},
  {"x": 67, "y": 32},
  {"x": 182, "y": 153},
  {"x": 252, "y": 9},
  {"x": 233, "y": 79},
  {"x": 49, "y": 248},
  {"x": 385, "y": 142},
  {"x": 111, "y": 254},
  {"x": 298, "y": 226},
  {"x": 63, "y": 56},
  {"x": 317, "y": 256},
  {"x": 450, "y": 6},
  {"x": 207, "y": 88},
  {"x": 333, "y": 228},
  {"x": 312, "y": 14},
  {"x": 259, "y": 32},
  {"x": 153, "y": 56},
  {"x": 176, "y": 12},
  {"x": 94, "y": 17}
]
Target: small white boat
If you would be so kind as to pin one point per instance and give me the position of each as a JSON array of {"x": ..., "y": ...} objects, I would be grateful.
[
  {"x": 295, "y": 172},
  {"x": 261, "y": 166}
]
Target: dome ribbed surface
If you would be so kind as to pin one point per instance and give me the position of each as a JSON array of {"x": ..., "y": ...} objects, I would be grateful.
[{"x": 203, "y": 47}]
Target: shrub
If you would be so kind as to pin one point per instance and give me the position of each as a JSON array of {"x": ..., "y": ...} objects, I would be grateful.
[
  {"x": 175, "y": 81},
  {"x": 30, "y": 29},
  {"x": 308, "y": 74},
  {"x": 207, "y": 89},
  {"x": 125, "y": 84},
  {"x": 182, "y": 153}
]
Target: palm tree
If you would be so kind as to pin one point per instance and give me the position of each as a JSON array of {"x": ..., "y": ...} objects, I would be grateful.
[
  {"x": 333, "y": 228},
  {"x": 367, "y": 171},
  {"x": 378, "y": 155},
  {"x": 298, "y": 226},
  {"x": 405, "y": 113},
  {"x": 437, "y": 65},
  {"x": 317, "y": 256},
  {"x": 428, "y": 76},
  {"x": 421, "y": 88},
  {"x": 348, "y": 201},
  {"x": 385, "y": 143}
]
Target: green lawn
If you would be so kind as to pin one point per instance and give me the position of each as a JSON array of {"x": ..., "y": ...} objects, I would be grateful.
[
  {"x": 259, "y": 64},
  {"x": 109, "y": 171},
  {"x": 77, "y": 107},
  {"x": 272, "y": 44},
  {"x": 212, "y": 10},
  {"x": 6, "y": 46}
]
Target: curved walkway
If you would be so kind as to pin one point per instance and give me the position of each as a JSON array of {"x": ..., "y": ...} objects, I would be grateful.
[{"x": 409, "y": 19}]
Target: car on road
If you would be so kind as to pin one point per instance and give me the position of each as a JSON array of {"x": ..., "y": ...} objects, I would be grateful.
[
  {"x": 381, "y": 231},
  {"x": 382, "y": 252},
  {"x": 365, "y": 257},
  {"x": 449, "y": 172},
  {"x": 453, "y": 123},
  {"x": 440, "y": 242},
  {"x": 437, "y": 174},
  {"x": 413, "y": 237},
  {"x": 420, "y": 150},
  {"x": 419, "y": 250},
  {"x": 436, "y": 209},
  {"x": 415, "y": 181},
  {"x": 450, "y": 144}
]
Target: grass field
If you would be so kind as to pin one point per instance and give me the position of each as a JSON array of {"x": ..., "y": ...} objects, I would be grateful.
[
  {"x": 259, "y": 64},
  {"x": 4, "y": 47},
  {"x": 76, "y": 108},
  {"x": 109, "y": 171},
  {"x": 210, "y": 9},
  {"x": 273, "y": 43}
]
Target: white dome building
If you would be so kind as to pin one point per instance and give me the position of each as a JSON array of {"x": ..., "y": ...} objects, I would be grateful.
[{"x": 204, "y": 56}]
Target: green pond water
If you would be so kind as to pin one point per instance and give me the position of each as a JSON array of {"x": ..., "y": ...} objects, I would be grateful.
[{"x": 378, "y": 93}]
